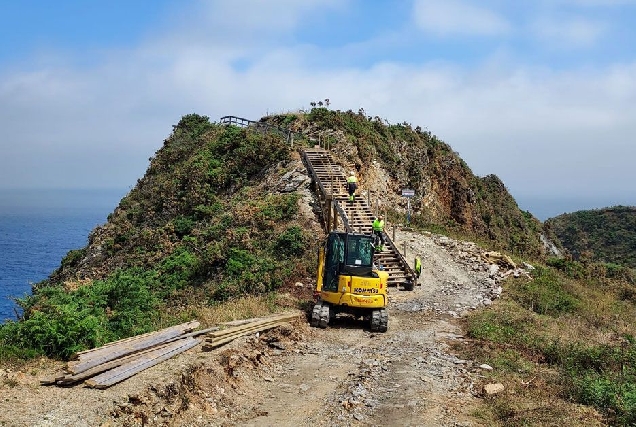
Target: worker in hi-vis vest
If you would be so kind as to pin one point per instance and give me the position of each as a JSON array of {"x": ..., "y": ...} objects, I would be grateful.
[
  {"x": 352, "y": 185},
  {"x": 418, "y": 266},
  {"x": 378, "y": 230}
]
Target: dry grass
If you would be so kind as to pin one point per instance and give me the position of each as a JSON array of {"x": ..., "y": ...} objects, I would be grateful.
[
  {"x": 532, "y": 395},
  {"x": 601, "y": 318},
  {"x": 243, "y": 307},
  {"x": 73, "y": 285}
]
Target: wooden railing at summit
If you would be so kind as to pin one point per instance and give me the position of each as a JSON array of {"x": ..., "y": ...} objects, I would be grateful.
[{"x": 261, "y": 126}]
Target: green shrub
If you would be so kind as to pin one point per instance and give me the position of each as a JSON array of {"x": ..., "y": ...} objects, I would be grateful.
[
  {"x": 193, "y": 124},
  {"x": 612, "y": 396},
  {"x": 291, "y": 242},
  {"x": 183, "y": 225},
  {"x": 58, "y": 323},
  {"x": 177, "y": 270},
  {"x": 594, "y": 389},
  {"x": 239, "y": 262},
  {"x": 572, "y": 269},
  {"x": 288, "y": 119},
  {"x": 73, "y": 257},
  {"x": 491, "y": 326},
  {"x": 278, "y": 206},
  {"x": 250, "y": 273},
  {"x": 545, "y": 294}
]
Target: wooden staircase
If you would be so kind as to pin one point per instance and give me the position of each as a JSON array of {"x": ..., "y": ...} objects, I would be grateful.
[{"x": 339, "y": 213}]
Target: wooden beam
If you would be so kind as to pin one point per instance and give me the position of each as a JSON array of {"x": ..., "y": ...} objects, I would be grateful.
[
  {"x": 144, "y": 361},
  {"x": 70, "y": 379},
  {"x": 254, "y": 319},
  {"x": 184, "y": 326},
  {"x": 252, "y": 325},
  {"x": 126, "y": 346}
]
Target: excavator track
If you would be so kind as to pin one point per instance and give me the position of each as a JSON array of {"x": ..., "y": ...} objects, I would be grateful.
[
  {"x": 320, "y": 315},
  {"x": 379, "y": 320}
]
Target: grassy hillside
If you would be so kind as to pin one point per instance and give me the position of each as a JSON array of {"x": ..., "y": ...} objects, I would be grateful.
[
  {"x": 568, "y": 334},
  {"x": 601, "y": 235}
]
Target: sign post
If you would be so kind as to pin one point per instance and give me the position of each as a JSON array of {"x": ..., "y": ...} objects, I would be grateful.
[{"x": 408, "y": 193}]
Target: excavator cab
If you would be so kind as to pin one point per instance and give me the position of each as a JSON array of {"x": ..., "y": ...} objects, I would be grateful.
[{"x": 349, "y": 282}]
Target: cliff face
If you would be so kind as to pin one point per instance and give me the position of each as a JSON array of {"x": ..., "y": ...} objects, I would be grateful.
[{"x": 389, "y": 158}]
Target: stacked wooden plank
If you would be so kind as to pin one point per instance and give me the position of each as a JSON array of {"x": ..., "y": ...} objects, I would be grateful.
[
  {"x": 129, "y": 356},
  {"x": 245, "y": 327},
  {"x": 105, "y": 366}
]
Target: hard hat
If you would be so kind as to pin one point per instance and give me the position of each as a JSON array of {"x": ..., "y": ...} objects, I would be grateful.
[{"x": 352, "y": 173}]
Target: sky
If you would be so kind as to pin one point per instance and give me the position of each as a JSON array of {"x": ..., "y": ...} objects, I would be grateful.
[{"x": 541, "y": 93}]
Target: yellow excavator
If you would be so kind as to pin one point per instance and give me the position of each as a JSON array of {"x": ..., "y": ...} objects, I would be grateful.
[{"x": 349, "y": 282}]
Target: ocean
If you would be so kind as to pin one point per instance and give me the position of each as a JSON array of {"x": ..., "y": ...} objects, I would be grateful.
[{"x": 38, "y": 228}]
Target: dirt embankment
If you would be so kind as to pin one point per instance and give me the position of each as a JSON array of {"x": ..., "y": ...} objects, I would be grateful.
[{"x": 294, "y": 376}]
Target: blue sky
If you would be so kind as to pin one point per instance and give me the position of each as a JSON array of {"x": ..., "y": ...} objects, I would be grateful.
[{"x": 541, "y": 93}]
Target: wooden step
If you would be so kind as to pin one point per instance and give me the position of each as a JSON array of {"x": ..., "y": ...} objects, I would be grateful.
[{"x": 332, "y": 179}]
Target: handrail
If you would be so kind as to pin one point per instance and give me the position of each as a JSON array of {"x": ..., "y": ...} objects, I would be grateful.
[
  {"x": 343, "y": 216},
  {"x": 314, "y": 175},
  {"x": 405, "y": 265},
  {"x": 240, "y": 121},
  {"x": 322, "y": 195},
  {"x": 243, "y": 122}
]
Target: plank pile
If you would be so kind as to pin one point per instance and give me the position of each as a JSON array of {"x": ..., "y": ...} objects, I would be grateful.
[
  {"x": 240, "y": 328},
  {"x": 118, "y": 360},
  {"x": 105, "y": 366}
]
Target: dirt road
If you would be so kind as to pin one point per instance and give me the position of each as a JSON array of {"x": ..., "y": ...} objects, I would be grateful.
[{"x": 300, "y": 376}]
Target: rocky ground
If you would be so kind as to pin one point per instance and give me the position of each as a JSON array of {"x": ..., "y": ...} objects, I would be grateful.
[{"x": 297, "y": 375}]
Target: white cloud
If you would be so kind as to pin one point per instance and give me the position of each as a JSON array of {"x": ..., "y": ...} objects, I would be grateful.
[
  {"x": 569, "y": 33},
  {"x": 247, "y": 21},
  {"x": 535, "y": 128},
  {"x": 456, "y": 17}
]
